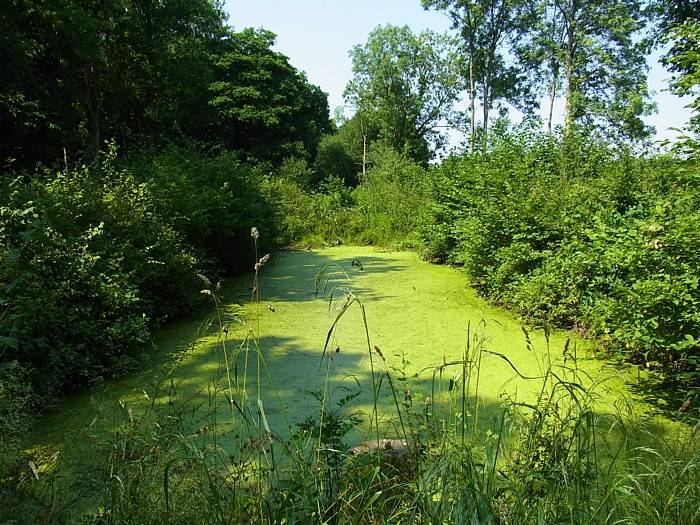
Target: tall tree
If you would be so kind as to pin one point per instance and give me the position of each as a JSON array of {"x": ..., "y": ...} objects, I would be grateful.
[
  {"x": 487, "y": 28},
  {"x": 76, "y": 73},
  {"x": 683, "y": 59},
  {"x": 263, "y": 105},
  {"x": 407, "y": 85},
  {"x": 597, "y": 49}
]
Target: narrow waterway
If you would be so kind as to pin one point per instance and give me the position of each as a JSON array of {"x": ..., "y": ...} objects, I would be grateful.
[{"x": 417, "y": 315}]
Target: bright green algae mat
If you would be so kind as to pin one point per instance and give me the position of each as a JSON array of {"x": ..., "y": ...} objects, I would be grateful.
[{"x": 416, "y": 312}]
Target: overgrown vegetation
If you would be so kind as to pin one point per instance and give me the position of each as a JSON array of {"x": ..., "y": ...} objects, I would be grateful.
[
  {"x": 140, "y": 141},
  {"x": 581, "y": 234},
  {"x": 95, "y": 257}
]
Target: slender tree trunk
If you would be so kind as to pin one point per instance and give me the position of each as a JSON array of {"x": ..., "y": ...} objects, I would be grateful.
[
  {"x": 571, "y": 83},
  {"x": 93, "y": 112},
  {"x": 364, "y": 155},
  {"x": 569, "y": 111},
  {"x": 487, "y": 96},
  {"x": 472, "y": 105},
  {"x": 552, "y": 96}
]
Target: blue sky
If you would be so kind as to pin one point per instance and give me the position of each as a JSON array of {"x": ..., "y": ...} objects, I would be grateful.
[{"x": 316, "y": 35}]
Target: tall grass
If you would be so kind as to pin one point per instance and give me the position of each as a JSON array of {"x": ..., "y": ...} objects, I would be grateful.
[{"x": 440, "y": 455}]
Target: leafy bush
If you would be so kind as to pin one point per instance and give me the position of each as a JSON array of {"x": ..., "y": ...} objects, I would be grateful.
[
  {"x": 212, "y": 201},
  {"x": 582, "y": 234},
  {"x": 92, "y": 258},
  {"x": 390, "y": 199},
  {"x": 384, "y": 209}
]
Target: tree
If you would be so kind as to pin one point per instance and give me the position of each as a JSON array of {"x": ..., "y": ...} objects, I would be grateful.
[
  {"x": 346, "y": 154},
  {"x": 487, "y": 27},
  {"x": 683, "y": 59},
  {"x": 596, "y": 47},
  {"x": 680, "y": 28},
  {"x": 407, "y": 85},
  {"x": 335, "y": 159},
  {"x": 263, "y": 105},
  {"x": 78, "y": 73}
]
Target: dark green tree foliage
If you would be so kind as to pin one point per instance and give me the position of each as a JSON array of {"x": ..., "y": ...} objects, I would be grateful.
[
  {"x": 92, "y": 258},
  {"x": 38, "y": 90},
  {"x": 406, "y": 85},
  {"x": 211, "y": 202},
  {"x": 335, "y": 158},
  {"x": 77, "y": 74},
  {"x": 263, "y": 105},
  {"x": 577, "y": 233},
  {"x": 347, "y": 153}
]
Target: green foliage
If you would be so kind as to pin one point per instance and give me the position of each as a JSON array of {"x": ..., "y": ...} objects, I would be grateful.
[
  {"x": 684, "y": 60},
  {"x": 487, "y": 28},
  {"x": 390, "y": 199},
  {"x": 384, "y": 209},
  {"x": 580, "y": 234},
  {"x": 211, "y": 201},
  {"x": 335, "y": 159},
  {"x": 94, "y": 257},
  {"x": 262, "y": 104},
  {"x": 76, "y": 74},
  {"x": 406, "y": 85}
]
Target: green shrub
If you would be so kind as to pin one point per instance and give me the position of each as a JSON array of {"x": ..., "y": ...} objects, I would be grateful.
[
  {"x": 390, "y": 199},
  {"x": 212, "y": 201},
  {"x": 92, "y": 258},
  {"x": 582, "y": 234}
]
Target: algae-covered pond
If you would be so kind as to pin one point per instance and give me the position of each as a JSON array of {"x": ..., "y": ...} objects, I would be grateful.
[{"x": 417, "y": 314}]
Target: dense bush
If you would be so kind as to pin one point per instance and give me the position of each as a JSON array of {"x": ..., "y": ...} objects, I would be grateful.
[
  {"x": 579, "y": 233},
  {"x": 212, "y": 201},
  {"x": 384, "y": 209},
  {"x": 92, "y": 258}
]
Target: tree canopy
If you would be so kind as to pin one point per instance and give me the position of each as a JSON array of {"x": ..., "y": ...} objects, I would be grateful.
[
  {"x": 76, "y": 75},
  {"x": 408, "y": 85},
  {"x": 595, "y": 49}
]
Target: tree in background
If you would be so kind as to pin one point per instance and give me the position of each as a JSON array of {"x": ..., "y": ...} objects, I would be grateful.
[
  {"x": 603, "y": 59},
  {"x": 680, "y": 28},
  {"x": 594, "y": 50},
  {"x": 263, "y": 105},
  {"x": 487, "y": 29},
  {"x": 77, "y": 74},
  {"x": 346, "y": 154},
  {"x": 406, "y": 85},
  {"x": 335, "y": 158}
]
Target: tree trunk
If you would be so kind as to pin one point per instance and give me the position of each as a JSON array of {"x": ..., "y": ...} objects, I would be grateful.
[
  {"x": 552, "y": 97},
  {"x": 487, "y": 95},
  {"x": 93, "y": 112},
  {"x": 569, "y": 111},
  {"x": 571, "y": 87},
  {"x": 472, "y": 102},
  {"x": 364, "y": 156}
]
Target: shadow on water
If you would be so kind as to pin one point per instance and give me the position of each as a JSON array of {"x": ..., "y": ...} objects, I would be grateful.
[{"x": 291, "y": 275}]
